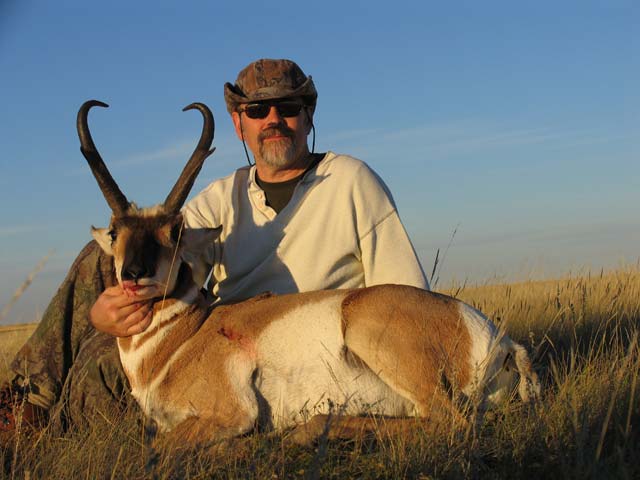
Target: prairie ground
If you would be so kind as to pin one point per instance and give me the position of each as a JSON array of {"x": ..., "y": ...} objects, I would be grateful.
[
  {"x": 581, "y": 332},
  {"x": 12, "y": 337}
]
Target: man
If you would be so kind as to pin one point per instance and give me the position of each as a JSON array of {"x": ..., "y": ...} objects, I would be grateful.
[{"x": 295, "y": 221}]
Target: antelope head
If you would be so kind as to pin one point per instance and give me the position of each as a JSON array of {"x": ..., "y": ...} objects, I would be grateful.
[{"x": 145, "y": 242}]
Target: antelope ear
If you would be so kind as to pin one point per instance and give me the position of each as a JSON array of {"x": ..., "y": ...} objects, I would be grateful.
[
  {"x": 198, "y": 251},
  {"x": 102, "y": 236},
  {"x": 197, "y": 239}
]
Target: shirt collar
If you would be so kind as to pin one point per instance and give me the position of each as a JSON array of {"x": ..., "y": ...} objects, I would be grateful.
[{"x": 309, "y": 176}]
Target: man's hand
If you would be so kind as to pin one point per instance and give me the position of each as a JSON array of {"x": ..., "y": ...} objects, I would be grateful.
[{"x": 119, "y": 314}]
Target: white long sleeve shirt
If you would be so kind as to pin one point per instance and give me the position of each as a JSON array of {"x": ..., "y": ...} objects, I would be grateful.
[{"x": 339, "y": 230}]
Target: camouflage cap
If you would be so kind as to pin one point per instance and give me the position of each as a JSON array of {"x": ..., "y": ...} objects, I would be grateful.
[{"x": 268, "y": 79}]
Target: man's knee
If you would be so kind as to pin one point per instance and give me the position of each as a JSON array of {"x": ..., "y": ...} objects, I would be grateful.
[{"x": 96, "y": 384}]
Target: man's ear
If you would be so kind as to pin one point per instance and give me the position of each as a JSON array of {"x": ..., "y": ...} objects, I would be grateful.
[
  {"x": 101, "y": 235},
  {"x": 310, "y": 109},
  {"x": 235, "y": 116}
]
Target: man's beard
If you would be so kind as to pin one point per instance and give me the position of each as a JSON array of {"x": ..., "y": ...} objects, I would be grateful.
[{"x": 278, "y": 153}]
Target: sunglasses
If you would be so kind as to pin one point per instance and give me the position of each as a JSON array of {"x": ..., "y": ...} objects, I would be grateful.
[{"x": 261, "y": 110}]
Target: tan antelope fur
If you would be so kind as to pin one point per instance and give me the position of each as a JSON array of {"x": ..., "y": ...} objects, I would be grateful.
[{"x": 277, "y": 360}]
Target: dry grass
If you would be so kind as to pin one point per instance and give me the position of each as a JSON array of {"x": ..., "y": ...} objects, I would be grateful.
[
  {"x": 12, "y": 337},
  {"x": 583, "y": 332}
]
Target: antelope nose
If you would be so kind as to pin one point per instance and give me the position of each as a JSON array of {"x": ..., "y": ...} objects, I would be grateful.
[{"x": 135, "y": 272}]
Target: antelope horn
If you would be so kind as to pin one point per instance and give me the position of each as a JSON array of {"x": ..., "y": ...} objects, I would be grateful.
[
  {"x": 181, "y": 189},
  {"x": 112, "y": 193}
]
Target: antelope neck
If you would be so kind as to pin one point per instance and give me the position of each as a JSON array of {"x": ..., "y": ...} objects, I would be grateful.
[{"x": 185, "y": 296}]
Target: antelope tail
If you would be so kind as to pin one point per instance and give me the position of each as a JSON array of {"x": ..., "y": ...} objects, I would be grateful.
[{"x": 529, "y": 386}]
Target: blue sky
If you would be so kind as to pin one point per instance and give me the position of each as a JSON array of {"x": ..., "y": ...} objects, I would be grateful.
[{"x": 514, "y": 124}]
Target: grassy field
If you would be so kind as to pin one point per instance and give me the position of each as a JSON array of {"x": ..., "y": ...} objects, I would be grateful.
[
  {"x": 12, "y": 337},
  {"x": 582, "y": 333}
]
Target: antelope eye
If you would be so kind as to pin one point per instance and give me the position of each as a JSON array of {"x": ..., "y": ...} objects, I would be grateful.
[{"x": 113, "y": 235}]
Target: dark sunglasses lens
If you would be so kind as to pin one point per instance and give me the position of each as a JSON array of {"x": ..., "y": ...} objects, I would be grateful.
[
  {"x": 288, "y": 109},
  {"x": 261, "y": 110},
  {"x": 257, "y": 110}
]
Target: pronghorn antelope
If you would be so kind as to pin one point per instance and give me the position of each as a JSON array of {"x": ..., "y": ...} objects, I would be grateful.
[{"x": 273, "y": 360}]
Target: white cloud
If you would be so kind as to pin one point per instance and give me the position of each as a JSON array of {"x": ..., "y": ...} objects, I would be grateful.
[
  {"x": 549, "y": 234},
  {"x": 179, "y": 151},
  {"x": 465, "y": 136},
  {"x": 19, "y": 230}
]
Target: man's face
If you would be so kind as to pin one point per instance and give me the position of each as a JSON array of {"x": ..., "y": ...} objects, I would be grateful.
[{"x": 278, "y": 140}]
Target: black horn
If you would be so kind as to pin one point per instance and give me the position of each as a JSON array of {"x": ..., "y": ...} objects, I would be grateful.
[
  {"x": 181, "y": 189},
  {"x": 112, "y": 193}
]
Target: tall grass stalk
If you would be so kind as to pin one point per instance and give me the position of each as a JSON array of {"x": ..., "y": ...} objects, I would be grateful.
[{"x": 23, "y": 288}]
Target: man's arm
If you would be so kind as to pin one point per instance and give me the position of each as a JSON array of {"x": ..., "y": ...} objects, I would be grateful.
[{"x": 387, "y": 254}]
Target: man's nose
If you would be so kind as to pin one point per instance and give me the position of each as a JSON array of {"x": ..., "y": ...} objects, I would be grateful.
[{"x": 274, "y": 116}]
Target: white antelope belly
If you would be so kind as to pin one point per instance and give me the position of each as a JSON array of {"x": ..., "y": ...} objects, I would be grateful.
[{"x": 303, "y": 370}]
